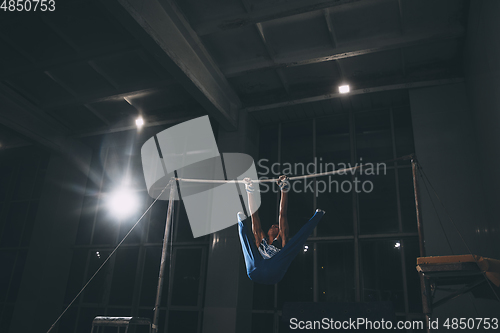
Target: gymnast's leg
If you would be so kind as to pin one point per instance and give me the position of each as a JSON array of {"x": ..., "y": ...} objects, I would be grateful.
[
  {"x": 282, "y": 260},
  {"x": 294, "y": 245},
  {"x": 250, "y": 251}
]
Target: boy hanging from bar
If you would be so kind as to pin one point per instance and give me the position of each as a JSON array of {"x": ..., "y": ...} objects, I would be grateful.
[{"x": 268, "y": 255}]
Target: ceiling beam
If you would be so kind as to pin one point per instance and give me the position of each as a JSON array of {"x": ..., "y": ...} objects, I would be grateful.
[
  {"x": 162, "y": 29},
  {"x": 97, "y": 114},
  {"x": 409, "y": 85},
  {"x": 329, "y": 25},
  {"x": 106, "y": 95},
  {"x": 333, "y": 38},
  {"x": 270, "y": 51},
  {"x": 346, "y": 51},
  {"x": 276, "y": 12},
  {"x": 102, "y": 72},
  {"x": 179, "y": 118}
]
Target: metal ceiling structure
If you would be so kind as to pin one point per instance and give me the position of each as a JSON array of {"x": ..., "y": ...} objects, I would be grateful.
[{"x": 90, "y": 67}]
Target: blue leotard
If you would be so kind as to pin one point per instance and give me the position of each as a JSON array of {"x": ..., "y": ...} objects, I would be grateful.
[{"x": 271, "y": 270}]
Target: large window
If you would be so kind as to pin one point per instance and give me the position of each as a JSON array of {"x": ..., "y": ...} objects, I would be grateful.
[
  {"x": 126, "y": 286},
  {"x": 365, "y": 247}
]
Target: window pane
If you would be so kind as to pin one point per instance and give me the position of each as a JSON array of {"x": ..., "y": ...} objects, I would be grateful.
[
  {"x": 297, "y": 285},
  {"x": 86, "y": 220},
  {"x": 296, "y": 153},
  {"x": 186, "y": 277},
  {"x": 262, "y": 323},
  {"x": 95, "y": 175},
  {"x": 268, "y": 151},
  {"x": 263, "y": 296},
  {"x": 122, "y": 286},
  {"x": 403, "y": 132},
  {"x": 333, "y": 152},
  {"x": 332, "y": 140},
  {"x": 68, "y": 321},
  {"x": 283, "y": 325},
  {"x": 95, "y": 291},
  {"x": 373, "y": 136},
  {"x": 86, "y": 317},
  {"x": 411, "y": 254},
  {"x": 118, "y": 312},
  {"x": 127, "y": 223},
  {"x": 114, "y": 170},
  {"x": 183, "y": 321},
  {"x": 149, "y": 314},
  {"x": 268, "y": 167},
  {"x": 335, "y": 197},
  {"x": 407, "y": 200},
  {"x": 382, "y": 272},
  {"x": 150, "y": 277},
  {"x": 76, "y": 273},
  {"x": 378, "y": 207},
  {"x": 336, "y": 272},
  {"x": 182, "y": 228},
  {"x": 105, "y": 228},
  {"x": 157, "y": 222}
]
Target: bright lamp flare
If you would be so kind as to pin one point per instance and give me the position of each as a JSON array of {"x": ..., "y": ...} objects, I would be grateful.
[
  {"x": 344, "y": 89},
  {"x": 139, "y": 122},
  {"x": 122, "y": 203}
]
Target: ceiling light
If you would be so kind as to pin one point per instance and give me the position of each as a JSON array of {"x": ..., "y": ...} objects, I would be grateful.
[
  {"x": 344, "y": 89},
  {"x": 139, "y": 122},
  {"x": 123, "y": 202},
  {"x": 397, "y": 245}
]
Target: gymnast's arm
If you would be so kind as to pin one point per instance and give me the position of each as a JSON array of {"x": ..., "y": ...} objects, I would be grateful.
[
  {"x": 283, "y": 218},
  {"x": 256, "y": 226}
]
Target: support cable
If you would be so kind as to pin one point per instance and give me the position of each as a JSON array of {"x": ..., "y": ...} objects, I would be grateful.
[{"x": 435, "y": 209}]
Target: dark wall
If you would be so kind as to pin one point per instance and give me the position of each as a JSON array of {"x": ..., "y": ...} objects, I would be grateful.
[
  {"x": 482, "y": 68},
  {"x": 446, "y": 148},
  {"x": 22, "y": 174},
  {"x": 48, "y": 256},
  {"x": 445, "y": 144}
]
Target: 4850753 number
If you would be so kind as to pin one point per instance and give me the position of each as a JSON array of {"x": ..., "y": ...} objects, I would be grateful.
[
  {"x": 28, "y": 5},
  {"x": 471, "y": 323}
]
